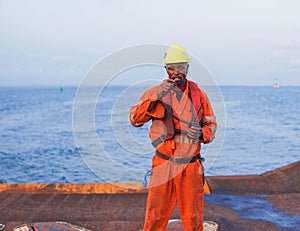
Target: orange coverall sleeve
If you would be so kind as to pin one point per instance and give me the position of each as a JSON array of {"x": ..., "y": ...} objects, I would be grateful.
[
  {"x": 148, "y": 108},
  {"x": 208, "y": 122}
]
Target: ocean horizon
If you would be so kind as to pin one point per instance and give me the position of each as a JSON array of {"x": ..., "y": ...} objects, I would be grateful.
[{"x": 259, "y": 131}]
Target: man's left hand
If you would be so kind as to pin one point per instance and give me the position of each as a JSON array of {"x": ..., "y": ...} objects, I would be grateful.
[{"x": 194, "y": 131}]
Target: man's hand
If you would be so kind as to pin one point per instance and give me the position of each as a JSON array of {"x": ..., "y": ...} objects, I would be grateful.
[
  {"x": 194, "y": 131},
  {"x": 164, "y": 87}
]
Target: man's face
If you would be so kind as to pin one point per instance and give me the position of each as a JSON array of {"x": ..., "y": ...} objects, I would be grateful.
[{"x": 177, "y": 72}]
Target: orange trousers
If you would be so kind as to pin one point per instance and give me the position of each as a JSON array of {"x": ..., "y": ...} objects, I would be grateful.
[{"x": 171, "y": 184}]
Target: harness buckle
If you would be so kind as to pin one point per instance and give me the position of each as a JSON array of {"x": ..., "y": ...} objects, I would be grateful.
[
  {"x": 162, "y": 138},
  {"x": 176, "y": 160}
]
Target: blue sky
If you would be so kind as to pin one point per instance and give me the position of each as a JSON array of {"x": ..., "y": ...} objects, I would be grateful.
[{"x": 240, "y": 42}]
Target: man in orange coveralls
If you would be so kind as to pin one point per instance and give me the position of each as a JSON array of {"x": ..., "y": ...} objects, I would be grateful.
[{"x": 182, "y": 119}]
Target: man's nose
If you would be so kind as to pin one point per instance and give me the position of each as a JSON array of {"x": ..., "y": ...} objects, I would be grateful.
[{"x": 176, "y": 71}]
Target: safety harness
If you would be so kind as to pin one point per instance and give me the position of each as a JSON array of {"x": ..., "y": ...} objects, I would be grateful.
[{"x": 195, "y": 98}]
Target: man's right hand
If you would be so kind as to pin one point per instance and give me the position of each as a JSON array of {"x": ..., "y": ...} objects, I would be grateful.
[{"x": 164, "y": 87}]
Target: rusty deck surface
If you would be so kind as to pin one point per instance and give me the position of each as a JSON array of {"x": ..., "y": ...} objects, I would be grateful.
[
  {"x": 122, "y": 206},
  {"x": 111, "y": 212}
]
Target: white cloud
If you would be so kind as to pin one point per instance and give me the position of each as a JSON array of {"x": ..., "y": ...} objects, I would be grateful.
[
  {"x": 70, "y": 70},
  {"x": 38, "y": 70},
  {"x": 295, "y": 63},
  {"x": 58, "y": 58},
  {"x": 250, "y": 36},
  {"x": 286, "y": 56}
]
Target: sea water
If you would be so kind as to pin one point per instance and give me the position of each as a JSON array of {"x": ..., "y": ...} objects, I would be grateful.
[{"x": 42, "y": 139}]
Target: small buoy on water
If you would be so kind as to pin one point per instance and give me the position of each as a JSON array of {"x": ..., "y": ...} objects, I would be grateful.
[{"x": 276, "y": 84}]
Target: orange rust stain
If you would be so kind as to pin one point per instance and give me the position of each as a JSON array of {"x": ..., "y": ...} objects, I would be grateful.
[{"x": 100, "y": 188}]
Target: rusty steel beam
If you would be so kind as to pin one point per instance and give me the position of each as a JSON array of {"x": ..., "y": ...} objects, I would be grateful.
[{"x": 281, "y": 180}]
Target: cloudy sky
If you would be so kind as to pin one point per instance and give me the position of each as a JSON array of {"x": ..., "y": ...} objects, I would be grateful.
[{"x": 241, "y": 42}]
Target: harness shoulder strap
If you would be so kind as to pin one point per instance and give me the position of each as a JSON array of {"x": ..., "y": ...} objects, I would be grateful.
[{"x": 195, "y": 97}]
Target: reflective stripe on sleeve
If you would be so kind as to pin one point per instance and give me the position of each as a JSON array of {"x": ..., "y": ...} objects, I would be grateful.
[{"x": 207, "y": 118}]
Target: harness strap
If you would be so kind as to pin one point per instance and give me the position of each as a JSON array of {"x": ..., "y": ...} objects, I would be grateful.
[
  {"x": 159, "y": 140},
  {"x": 179, "y": 131},
  {"x": 179, "y": 160},
  {"x": 162, "y": 138},
  {"x": 170, "y": 112}
]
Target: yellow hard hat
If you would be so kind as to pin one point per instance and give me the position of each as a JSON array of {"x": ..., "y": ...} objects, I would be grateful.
[{"x": 176, "y": 54}]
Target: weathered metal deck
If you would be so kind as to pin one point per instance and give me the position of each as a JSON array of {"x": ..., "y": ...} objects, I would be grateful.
[{"x": 122, "y": 206}]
